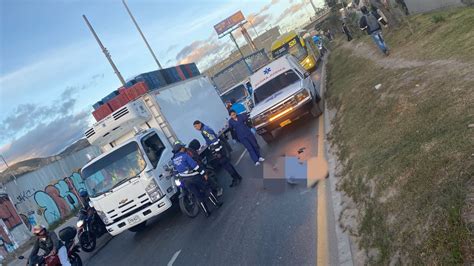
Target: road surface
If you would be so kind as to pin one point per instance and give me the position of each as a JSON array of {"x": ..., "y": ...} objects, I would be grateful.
[{"x": 257, "y": 225}]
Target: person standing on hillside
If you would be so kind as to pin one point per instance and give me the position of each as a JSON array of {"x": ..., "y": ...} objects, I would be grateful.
[
  {"x": 370, "y": 22},
  {"x": 346, "y": 30}
]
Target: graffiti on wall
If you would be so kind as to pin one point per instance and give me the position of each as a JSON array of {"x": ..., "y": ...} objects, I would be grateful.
[
  {"x": 9, "y": 219},
  {"x": 56, "y": 201}
]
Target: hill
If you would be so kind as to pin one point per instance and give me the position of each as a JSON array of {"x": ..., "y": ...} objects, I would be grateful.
[{"x": 30, "y": 165}]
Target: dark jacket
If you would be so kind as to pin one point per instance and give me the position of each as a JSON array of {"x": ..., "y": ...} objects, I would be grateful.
[
  {"x": 370, "y": 22},
  {"x": 50, "y": 242}
]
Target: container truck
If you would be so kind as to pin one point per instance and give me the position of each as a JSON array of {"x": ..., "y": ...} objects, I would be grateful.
[{"x": 129, "y": 182}]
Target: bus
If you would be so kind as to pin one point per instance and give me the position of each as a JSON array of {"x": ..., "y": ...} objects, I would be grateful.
[{"x": 294, "y": 44}]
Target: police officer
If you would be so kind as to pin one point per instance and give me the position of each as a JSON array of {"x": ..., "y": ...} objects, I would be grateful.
[
  {"x": 215, "y": 145},
  {"x": 193, "y": 177}
]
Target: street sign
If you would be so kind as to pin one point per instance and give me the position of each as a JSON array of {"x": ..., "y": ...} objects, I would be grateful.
[{"x": 229, "y": 22}]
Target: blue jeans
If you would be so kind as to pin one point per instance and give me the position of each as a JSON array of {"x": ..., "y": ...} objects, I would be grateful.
[{"x": 378, "y": 39}]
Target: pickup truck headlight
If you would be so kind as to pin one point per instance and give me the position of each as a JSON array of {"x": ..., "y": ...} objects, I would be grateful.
[
  {"x": 302, "y": 95},
  {"x": 153, "y": 190},
  {"x": 103, "y": 217}
]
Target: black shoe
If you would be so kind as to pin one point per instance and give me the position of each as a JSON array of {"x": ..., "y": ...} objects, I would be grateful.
[{"x": 234, "y": 183}]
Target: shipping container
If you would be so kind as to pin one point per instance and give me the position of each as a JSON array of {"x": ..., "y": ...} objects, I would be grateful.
[
  {"x": 118, "y": 101},
  {"x": 171, "y": 75},
  {"x": 135, "y": 91},
  {"x": 154, "y": 79},
  {"x": 101, "y": 112},
  {"x": 180, "y": 73},
  {"x": 110, "y": 96},
  {"x": 97, "y": 105}
]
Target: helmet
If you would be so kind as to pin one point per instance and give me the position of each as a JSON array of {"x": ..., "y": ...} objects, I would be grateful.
[
  {"x": 83, "y": 194},
  {"x": 38, "y": 229},
  {"x": 177, "y": 147}
]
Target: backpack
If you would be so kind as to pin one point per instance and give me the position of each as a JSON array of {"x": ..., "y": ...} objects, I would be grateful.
[{"x": 372, "y": 23}]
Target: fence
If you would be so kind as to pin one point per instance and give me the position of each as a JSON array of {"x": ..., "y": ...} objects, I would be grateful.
[{"x": 238, "y": 71}]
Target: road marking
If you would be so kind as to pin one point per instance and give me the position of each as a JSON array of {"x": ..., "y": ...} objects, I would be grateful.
[
  {"x": 240, "y": 158},
  {"x": 175, "y": 256},
  {"x": 322, "y": 250}
]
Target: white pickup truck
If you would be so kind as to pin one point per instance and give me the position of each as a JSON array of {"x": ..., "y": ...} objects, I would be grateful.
[
  {"x": 282, "y": 92},
  {"x": 128, "y": 184}
]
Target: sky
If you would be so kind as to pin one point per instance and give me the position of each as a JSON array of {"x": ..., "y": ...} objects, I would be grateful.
[{"x": 52, "y": 70}]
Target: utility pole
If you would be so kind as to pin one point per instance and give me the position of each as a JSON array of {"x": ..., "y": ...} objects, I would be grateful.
[
  {"x": 240, "y": 51},
  {"x": 5, "y": 162},
  {"x": 141, "y": 34},
  {"x": 104, "y": 50},
  {"x": 314, "y": 7}
]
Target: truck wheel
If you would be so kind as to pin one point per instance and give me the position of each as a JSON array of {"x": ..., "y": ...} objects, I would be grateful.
[
  {"x": 139, "y": 227},
  {"x": 268, "y": 137},
  {"x": 316, "y": 110}
]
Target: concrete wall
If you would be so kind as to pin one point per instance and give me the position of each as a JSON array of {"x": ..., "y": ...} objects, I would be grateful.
[
  {"x": 50, "y": 194},
  {"x": 420, "y": 6}
]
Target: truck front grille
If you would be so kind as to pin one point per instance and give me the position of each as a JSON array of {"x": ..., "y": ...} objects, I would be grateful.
[{"x": 281, "y": 107}]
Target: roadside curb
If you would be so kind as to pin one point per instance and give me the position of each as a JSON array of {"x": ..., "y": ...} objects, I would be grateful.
[{"x": 343, "y": 243}]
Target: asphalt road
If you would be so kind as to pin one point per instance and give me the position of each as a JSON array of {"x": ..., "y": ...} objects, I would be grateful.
[{"x": 257, "y": 225}]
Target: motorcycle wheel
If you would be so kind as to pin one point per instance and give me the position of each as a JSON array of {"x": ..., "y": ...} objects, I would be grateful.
[
  {"x": 189, "y": 205},
  {"x": 87, "y": 243},
  {"x": 75, "y": 259}
]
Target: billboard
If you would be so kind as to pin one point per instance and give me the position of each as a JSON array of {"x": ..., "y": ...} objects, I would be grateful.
[{"x": 229, "y": 22}]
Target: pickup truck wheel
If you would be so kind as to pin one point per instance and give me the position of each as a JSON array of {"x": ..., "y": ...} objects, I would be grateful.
[
  {"x": 316, "y": 110},
  {"x": 139, "y": 227},
  {"x": 268, "y": 137}
]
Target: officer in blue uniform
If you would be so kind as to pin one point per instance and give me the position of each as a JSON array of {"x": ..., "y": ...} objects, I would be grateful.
[
  {"x": 217, "y": 149},
  {"x": 193, "y": 177},
  {"x": 240, "y": 129}
]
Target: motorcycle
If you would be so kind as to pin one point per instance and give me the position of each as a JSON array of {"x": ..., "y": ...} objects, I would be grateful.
[
  {"x": 66, "y": 235},
  {"x": 90, "y": 227}
]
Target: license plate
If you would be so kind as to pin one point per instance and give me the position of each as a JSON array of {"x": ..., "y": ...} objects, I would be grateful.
[
  {"x": 134, "y": 219},
  {"x": 284, "y": 123}
]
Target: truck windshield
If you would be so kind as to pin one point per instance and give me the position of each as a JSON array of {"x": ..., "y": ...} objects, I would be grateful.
[
  {"x": 274, "y": 85},
  {"x": 115, "y": 168},
  {"x": 237, "y": 94}
]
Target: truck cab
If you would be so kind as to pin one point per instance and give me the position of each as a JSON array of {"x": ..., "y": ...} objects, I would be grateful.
[
  {"x": 129, "y": 184},
  {"x": 283, "y": 92},
  {"x": 240, "y": 93}
]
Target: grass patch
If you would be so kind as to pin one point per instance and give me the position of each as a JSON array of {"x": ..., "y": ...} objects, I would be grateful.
[
  {"x": 406, "y": 150},
  {"x": 437, "y": 35}
]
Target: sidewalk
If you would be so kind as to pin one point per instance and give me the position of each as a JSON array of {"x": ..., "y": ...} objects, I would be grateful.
[{"x": 101, "y": 242}]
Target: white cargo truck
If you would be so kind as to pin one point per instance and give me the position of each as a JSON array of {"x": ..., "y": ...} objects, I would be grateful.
[
  {"x": 283, "y": 92},
  {"x": 128, "y": 184}
]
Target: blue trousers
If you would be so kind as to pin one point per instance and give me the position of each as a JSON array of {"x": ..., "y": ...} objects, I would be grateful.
[
  {"x": 378, "y": 39},
  {"x": 250, "y": 143}
]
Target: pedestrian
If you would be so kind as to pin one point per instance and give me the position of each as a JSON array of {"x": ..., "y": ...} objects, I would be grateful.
[
  {"x": 346, "y": 30},
  {"x": 370, "y": 22},
  {"x": 238, "y": 107},
  {"x": 193, "y": 177},
  {"x": 217, "y": 150},
  {"x": 238, "y": 124}
]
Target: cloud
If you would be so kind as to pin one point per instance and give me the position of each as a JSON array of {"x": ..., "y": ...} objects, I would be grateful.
[
  {"x": 259, "y": 21},
  {"x": 205, "y": 52},
  {"x": 39, "y": 130},
  {"x": 47, "y": 138},
  {"x": 291, "y": 10}
]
